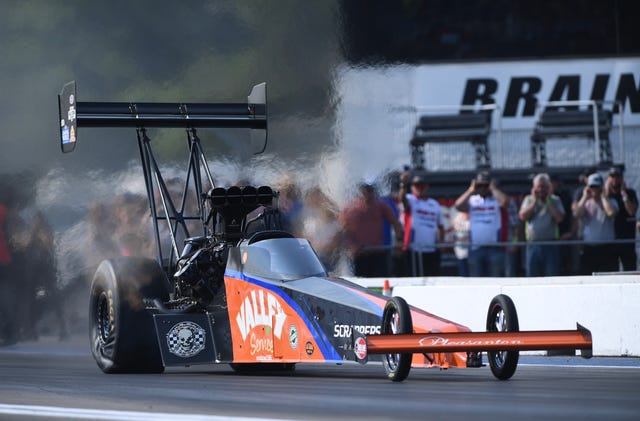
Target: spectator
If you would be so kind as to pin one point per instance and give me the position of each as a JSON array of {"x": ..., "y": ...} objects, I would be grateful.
[
  {"x": 290, "y": 205},
  {"x": 320, "y": 226},
  {"x": 363, "y": 231},
  {"x": 484, "y": 201},
  {"x": 40, "y": 276},
  {"x": 577, "y": 227},
  {"x": 460, "y": 224},
  {"x": 542, "y": 211},
  {"x": 16, "y": 292},
  {"x": 8, "y": 330},
  {"x": 424, "y": 227},
  {"x": 624, "y": 224},
  {"x": 597, "y": 213}
]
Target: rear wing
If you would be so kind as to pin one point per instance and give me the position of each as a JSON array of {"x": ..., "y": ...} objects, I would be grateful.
[
  {"x": 74, "y": 114},
  {"x": 191, "y": 116}
]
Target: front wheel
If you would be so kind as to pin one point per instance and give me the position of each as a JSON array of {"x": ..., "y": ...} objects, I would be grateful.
[
  {"x": 396, "y": 319},
  {"x": 502, "y": 317},
  {"x": 121, "y": 331}
]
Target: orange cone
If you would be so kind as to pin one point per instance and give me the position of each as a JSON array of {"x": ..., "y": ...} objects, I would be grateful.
[{"x": 386, "y": 288}]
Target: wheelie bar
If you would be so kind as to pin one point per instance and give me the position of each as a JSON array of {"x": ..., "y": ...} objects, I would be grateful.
[{"x": 482, "y": 341}]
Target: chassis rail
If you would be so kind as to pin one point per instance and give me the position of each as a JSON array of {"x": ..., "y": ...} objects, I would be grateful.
[{"x": 482, "y": 341}]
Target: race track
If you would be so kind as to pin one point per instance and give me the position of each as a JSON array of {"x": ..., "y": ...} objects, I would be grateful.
[{"x": 49, "y": 379}]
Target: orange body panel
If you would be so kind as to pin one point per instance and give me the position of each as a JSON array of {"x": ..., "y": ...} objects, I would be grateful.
[{"x": 265, "y": 328}]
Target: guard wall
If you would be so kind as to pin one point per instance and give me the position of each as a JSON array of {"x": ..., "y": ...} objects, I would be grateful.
[{"x": 608, "y": 305}]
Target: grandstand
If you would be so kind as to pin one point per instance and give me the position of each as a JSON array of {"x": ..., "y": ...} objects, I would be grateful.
[{"x": 513, "y": 87}]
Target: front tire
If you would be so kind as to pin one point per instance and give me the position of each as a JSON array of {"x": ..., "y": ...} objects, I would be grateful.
[
  {"x": 122, "y": 332},
  {"x": 502, "y": 317},
  {"x": 396, "y": 319}
]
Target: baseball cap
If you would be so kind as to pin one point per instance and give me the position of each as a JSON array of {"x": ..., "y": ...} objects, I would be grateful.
[
  {"x": 368, "y": 181},
  {"x": 483, "y": 178},
  {"x": 419, "y": 179},
  {"x": 595, "y": 180},
  {"x": 615, "y": 171}
]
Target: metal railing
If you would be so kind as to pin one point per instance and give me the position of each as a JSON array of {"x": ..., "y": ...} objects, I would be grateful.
[
  {"x": 594, "y": 104},
  {"x": 417, "y": 268}
]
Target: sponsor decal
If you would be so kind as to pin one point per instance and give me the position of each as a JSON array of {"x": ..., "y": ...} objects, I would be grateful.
[
  {"x": 360, "y": 348},
  {"x": 260, "y": 345},
  {"x": 344, "y": 331},
  {"x": 515, "y": 87},
  {"x": 524, "y": 92},
  {"x": 309, "y": 348},
  {"x": 72, "y": 99},
  {"x": 72, "y": 134},
  {"x": 71, "y": 115},
  {"x": 65, "y": 134},
  {"x": 62, "y": 123},
  {"x": 260, "y": 309},
  {"x": 440, "y": 341},
  {"x": 293, "y": 336},
  {"x": 186, "y": 339},
  {"x": 112, "y": 312}
]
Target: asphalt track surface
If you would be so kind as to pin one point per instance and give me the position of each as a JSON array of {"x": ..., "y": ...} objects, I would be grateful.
[{"x": 49, "y": 379}]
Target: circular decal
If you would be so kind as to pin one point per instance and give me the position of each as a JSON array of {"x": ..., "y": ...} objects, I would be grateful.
[
  {"x": 360, "y": 348},
  {"x": 309, "y": 348},
  {"x": 293, "y": 336},
  {"x": 186, "y": 339}
]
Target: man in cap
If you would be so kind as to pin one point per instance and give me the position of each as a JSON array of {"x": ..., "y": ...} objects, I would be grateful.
[
  {"x": 423, "y": 223},
  {"x": 484, "y": 201},
  {"x": 624, "y": 224},
  {"x": 597, "y": 213}
]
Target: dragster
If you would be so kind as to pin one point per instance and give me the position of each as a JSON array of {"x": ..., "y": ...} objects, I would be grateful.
[{"x": 239, "y": 290}]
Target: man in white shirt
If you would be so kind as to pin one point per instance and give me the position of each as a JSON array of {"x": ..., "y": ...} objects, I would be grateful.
[
  {"x": 423, "y": 223},
  {"x": 484, "y": 202}
]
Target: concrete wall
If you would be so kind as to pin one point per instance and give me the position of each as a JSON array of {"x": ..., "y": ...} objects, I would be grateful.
[{"x": 608, "y": 305}]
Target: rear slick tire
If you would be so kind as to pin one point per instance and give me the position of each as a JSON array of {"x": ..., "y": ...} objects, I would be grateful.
[
  {"x": 502, "y": 317},
  {"x": 122, "y": 332},
  {"x": 396, "y": 319}
]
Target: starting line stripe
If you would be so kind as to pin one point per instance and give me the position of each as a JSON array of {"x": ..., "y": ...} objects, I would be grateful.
[{"x": 100, "y": 414}]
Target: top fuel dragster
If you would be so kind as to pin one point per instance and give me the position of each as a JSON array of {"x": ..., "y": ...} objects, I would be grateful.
[{"x": 242, "y": 291}]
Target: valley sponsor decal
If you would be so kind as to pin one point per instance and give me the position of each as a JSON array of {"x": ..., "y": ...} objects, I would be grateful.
[
  {"x": 260, "y": 347},
  {"x": 259, "y": 320},
  {"x": 257, "y": 310}
]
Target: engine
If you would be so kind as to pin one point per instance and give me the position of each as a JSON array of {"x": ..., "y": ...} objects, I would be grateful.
[
  {"x": 200, "y": 273},
  {"x": 200, "y": 269}
]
